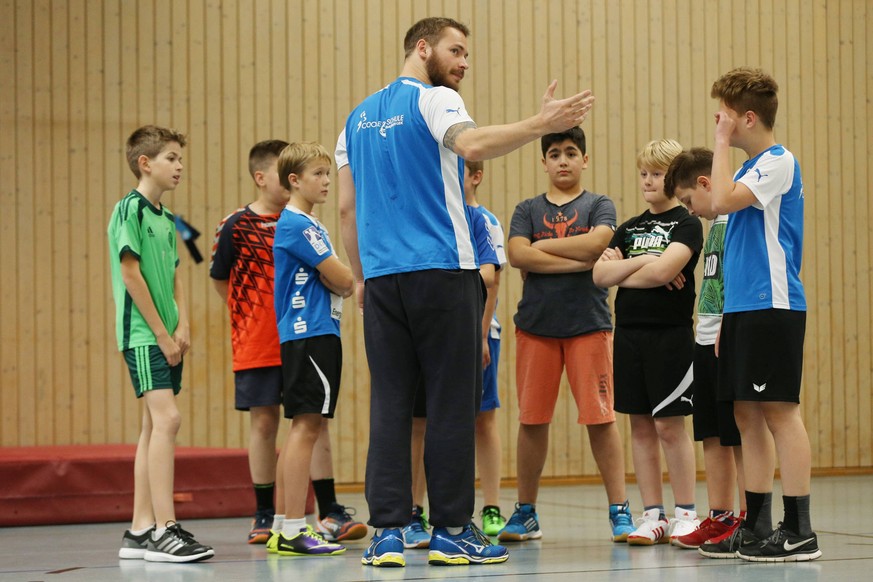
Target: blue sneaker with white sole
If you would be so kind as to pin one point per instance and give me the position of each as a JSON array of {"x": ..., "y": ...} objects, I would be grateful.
[
  {"x": 471, "y": 546},
  {"x": 386, "y": 550}
]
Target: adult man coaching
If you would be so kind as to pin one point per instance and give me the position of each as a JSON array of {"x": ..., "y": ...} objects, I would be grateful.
[{"x": 405, "y": 229}]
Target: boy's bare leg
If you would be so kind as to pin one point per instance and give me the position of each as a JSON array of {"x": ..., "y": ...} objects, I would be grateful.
[
  {"x": 741, "y": 476},
  {"x": 419, "y": 482},
  {"x": 322, "y": 455},
  {"x": 533, "y": 446},
  {"x": 608, "y": 454},
  {"x": 679, "y": 454},
  {"x": 280, "y": 483},
  {"x": 488, "y": 453},
  {"x": 792, "y": 446},
  {"x": 263, "y": 428},
  {"x": 759, "y": 456},
  {"x": 166, "y": 421},
  {"x": 647, "y": 459},
  {"x": 721, "y": 474},
  {"x": 302, "y": 436},
  {"x": 143, "y": 514}
]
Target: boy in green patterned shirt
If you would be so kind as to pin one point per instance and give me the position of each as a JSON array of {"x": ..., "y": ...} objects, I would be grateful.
[
  {"x": 688, "y": 178},
  {"x": 152, "y": 330}
]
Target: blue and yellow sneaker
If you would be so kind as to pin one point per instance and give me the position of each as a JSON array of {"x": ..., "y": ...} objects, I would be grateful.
[
  {"x": 386, "y": 550},
  {"x": 415, "y": 534},
  {"x": 621, "y": 521},
  {"x": 522, "y": 526},
  {"x": 471, "y": 546}
]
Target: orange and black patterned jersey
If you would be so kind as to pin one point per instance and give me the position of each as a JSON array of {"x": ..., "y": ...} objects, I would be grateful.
[{"x": 242, "y": 255}]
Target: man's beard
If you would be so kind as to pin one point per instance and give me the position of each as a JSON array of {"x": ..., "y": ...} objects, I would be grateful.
[{"x": 438, "y": 77}]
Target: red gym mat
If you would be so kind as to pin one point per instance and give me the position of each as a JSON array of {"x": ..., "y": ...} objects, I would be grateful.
[{"x": 81, "y": 484}]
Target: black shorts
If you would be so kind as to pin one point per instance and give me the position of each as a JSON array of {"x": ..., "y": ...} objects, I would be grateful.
[
  {"x": 258, "y": 387},
  {"x": 653, "y": 370},
  {"x": 761, "y": 356},
  {"x": 711, "y": 417},
  {"x": 311, "y": 371}
]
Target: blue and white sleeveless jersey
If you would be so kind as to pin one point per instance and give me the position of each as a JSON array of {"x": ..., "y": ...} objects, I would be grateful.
[
  {"x": 409, "y": 188},
  {"x": 495, "y": 233},
  {"x": 304, "y": 306},
  {"x": 763, "y": 244}
]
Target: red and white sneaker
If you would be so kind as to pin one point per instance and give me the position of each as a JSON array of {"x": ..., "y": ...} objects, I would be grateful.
[
  {"x": 712, "y": 527},
  {"x": 650, "y": 530}
]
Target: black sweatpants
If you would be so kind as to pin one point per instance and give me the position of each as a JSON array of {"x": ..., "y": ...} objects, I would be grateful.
[{"x": 423, "y": 324}]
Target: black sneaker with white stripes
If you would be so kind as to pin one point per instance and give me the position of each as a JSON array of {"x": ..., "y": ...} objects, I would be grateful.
[
  {"x": 133, "y": 547},
  {"x": 176, "y": 545}
]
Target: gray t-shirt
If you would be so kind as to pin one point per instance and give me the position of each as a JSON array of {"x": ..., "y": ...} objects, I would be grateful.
[{"x": 562, "y": 305}]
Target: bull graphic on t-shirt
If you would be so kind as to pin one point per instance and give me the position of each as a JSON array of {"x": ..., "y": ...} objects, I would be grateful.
[{"x": 561, "y": 223}]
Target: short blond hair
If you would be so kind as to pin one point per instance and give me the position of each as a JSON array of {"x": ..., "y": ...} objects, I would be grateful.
[
  {"x": 296, "y": 157},
  {"x": 149, "y": 141},
  {"x": 658, "y": 154}
]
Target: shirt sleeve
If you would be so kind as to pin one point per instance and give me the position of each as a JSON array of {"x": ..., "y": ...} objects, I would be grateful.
[
  {"x": 130, "y": 233},
  {"x": 222, "y": 251},
  {"x": 604, "y": 213},
  {"x": 484, "y": 244},
  {"x": 770, "y": 178},
  {"x": 520, "y": 225},
  {"x": 689, "y": 232},
  {"x": 498, "y": 238},
  {"x": 617, "y": 241},
  {"x": 341, "y": 154},
  {"x": 303, "y": 240},
  {"x": 442, "y": 108}
]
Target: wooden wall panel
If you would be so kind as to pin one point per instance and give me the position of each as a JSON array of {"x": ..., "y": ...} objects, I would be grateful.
[{"x": 77, "y": 77}]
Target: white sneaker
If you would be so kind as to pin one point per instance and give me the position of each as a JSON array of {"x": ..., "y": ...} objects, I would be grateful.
[
  {"x": 684, "y": 523},
  {"x": 650, "y": 530}
]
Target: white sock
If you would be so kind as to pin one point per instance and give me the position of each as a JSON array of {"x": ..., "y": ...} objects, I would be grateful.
[
  {"x": 292, "y": 527},
  {"x": 454, "y": 530},
  {"x": 139, "y": 532},
  {"x": 159, "y": 531},
  {"x": 278, "y": 521}
]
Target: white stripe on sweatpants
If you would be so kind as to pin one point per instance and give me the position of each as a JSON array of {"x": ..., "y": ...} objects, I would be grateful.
[
  {"x": 679, "y": 391},
  {"x": 325, "y": 384}
]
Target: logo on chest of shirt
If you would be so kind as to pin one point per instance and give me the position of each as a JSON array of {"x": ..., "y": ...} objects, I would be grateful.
[
  {"x": 383, "y": 126},
  {"x": 561, "y": 226},
  {"x": 653, "y": 240}
]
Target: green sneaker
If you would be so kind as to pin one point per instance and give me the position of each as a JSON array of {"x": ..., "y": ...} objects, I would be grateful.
[{"x": 492, "y": 521}]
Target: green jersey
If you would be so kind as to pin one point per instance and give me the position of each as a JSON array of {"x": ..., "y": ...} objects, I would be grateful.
[
  {"x": 149, "y": 234},
  {"x": 711, "y": 303}
]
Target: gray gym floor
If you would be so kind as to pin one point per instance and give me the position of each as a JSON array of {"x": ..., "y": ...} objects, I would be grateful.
[{"x": 575, "y": 546}]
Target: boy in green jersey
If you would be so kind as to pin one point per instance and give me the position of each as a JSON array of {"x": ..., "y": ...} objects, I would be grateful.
[{"x": 152, "y": 328}]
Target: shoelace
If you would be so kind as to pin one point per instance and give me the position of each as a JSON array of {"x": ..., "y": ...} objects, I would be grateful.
[
  {"x": 479, "y": 534},
  {"x": 182, "y": 534},
  {"x": 778, "y": 536},
  {"x": 313, "y": 535}
]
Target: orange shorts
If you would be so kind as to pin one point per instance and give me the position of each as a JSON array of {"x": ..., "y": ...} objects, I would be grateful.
[{"x": 539, "y": 362}]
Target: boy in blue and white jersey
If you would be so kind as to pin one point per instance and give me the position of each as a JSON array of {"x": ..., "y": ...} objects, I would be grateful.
[
  {"x": 761, "y": 338},
  {"x": 407, "y": 234},
  {"x": 310, "y": 284}
]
